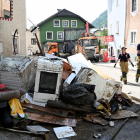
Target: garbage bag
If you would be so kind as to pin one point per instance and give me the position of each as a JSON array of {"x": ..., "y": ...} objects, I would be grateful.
[
  {"x": 79, "y": 94},
  {"x": 5, "y": 118}
]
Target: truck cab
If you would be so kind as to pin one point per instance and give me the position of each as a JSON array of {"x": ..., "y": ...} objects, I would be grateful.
[
  {"x": 51, "y": 48},
  {"x": 89, "y": 47}
]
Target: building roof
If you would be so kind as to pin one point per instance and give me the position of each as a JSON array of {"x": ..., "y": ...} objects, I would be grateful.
[{"x": 64, "y": 13}]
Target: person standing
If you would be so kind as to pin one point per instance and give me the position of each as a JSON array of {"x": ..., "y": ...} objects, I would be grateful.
[
  {"x": 124, "y": 57},
  {"x": 138, "y": 63}
]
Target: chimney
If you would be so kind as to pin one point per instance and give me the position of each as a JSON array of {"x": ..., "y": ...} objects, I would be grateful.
[{"x": 58, "y": 10}]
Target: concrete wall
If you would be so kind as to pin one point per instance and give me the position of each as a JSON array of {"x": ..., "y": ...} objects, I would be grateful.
[
  {"x": 116, "y": 13},
  {"x": 34, "y": 48},
  {"x": 132, "y": 23},
  {"x": 7, "y": 29}
]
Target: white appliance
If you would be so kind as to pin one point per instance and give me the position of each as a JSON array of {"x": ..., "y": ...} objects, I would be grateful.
[{"x": 48, "y": 79}]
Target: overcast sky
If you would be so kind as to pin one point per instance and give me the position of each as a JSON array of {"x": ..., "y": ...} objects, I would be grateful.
[{"x": 38, "y": 10}]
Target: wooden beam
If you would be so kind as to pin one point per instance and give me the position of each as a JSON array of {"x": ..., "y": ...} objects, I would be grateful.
[
  {"x": 50, "y": 110},
  {"x": 51, "y": 119}
]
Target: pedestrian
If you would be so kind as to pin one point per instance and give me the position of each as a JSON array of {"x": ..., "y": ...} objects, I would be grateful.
[
  {"x": 124, "y": 57},
  {"x": 138, "y": 63}
]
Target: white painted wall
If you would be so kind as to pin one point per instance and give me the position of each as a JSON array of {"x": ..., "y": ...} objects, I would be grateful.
[
  {"x": 29, "y": 46},
  {"x": 118, "y": 13}
]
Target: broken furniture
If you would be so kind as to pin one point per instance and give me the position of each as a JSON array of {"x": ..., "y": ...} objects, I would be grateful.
[
  {"x": 48, "y": 79},
  {"x": 104, "y": 89},
  {"x": 17, "y": 73}
]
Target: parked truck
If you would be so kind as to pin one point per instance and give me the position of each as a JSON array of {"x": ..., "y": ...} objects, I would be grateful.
[{"x": 89, "y": 47}]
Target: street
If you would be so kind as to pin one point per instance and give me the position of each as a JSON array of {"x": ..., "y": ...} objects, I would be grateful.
[{"x": 132, "y": 88}]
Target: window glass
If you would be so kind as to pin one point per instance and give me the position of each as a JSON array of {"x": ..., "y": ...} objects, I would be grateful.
[
  {"x": 133, "y": 37},
  {"x": 56, "y": 23},
  {"x": 33, "y": 41},
  {"x": 74, "y": 23},
  {"x": 89, "y": 42},
  {"x": 65, "y": 23},
  {"x": 60, "y": 35},
  {"x": 134, "y": 5},
  {"x": 49, "y": 35}
]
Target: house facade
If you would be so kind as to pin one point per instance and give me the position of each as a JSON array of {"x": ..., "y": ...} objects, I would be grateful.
[
  {"x": 132, "y": 32},
  {"x": 116, "y": 25},
  {"x": 31, "y": 44},
  {"x": 5, "y": 8},
  {"x": 8, "y": 28},
  {"x": 52, "y": 29}
]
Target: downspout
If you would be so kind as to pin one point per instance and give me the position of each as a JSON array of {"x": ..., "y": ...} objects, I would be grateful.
[{"x": 125, "y": 22}]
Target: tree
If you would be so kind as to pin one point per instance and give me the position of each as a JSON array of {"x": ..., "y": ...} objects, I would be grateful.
[{"x": 104, "y": 33}]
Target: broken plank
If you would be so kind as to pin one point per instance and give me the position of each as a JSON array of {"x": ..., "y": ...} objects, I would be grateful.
[
  {"x": 66, "y": 106},
  {"x": 50, "y": 110},
  {"x": 87, "y": 119},
  {"x": 99, "y": 120},
  {"x": 122, "y": 115},
  {"x": 51, "y": 119}
]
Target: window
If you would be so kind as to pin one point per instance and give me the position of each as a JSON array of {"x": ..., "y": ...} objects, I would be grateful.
[
  {"x": 33, "y": 41},
  {"x": 56, "y": 23},
  {"x": 74, "y": 23},
  {"x": 49, "y": 35},
  {"x": 134, "y": 5},
  {"x": 117, "y": 27},
  {"x": 132, "y": 37},
  {"x": 65, "y": 23},
  {"x": 111, "y": 5},
  {"x": 117, "y": 2},
  {"x": 60, "y": 35}
]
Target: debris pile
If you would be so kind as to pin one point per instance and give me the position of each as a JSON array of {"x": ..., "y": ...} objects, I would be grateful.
[{"x": 58, "y": 91}]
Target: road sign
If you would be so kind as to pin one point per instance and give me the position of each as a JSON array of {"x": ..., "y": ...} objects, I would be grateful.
[
  {"x": 34, "y": 29},
  {"x": 109, "y": 38}
]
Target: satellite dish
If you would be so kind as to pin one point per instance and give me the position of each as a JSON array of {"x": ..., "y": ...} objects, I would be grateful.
[{"x": 34, "y": 29}]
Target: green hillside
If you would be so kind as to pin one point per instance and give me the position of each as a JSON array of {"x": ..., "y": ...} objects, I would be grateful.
[{"x": 101, "y": 20}]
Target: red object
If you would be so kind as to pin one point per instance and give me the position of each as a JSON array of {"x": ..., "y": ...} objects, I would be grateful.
[
  {"x": 87, "y": 28},
  {"x": 105, "y": 57},
  {"x": 67, "y": 70},
  {"x": 2, "y": 86},
  {"x": 109, "y": 38},
  {"x": 111, "y": 58}
]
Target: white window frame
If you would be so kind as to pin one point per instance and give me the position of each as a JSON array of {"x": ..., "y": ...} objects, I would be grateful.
[
  {"x": 56, "y": 20},
  {"x": 76, "y": 23},
  {"x": 131, "y": 43},
  {"x": 117, "y": 27},
  {"x": 117, "y": 3},
  {"x": 49, "y": 32},
  {"x": 57, "y": 35},
  {"x": 136, "y": 7},
  {"x": 63, "y": 24}
]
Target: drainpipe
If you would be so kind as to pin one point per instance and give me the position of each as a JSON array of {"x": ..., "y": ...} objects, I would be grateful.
[{"x": 125, "y": 21}]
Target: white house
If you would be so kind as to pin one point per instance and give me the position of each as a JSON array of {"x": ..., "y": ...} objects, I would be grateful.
[
  {"x": 116, "y": 25},
  {"x": 31, "y": 44}
]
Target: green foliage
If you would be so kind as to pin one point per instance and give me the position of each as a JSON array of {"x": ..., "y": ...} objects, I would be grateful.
[
  {"x": 101, "y": 47},
  {"x": 101, "y": 20},
  {"x": 104, "y": 33}
]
